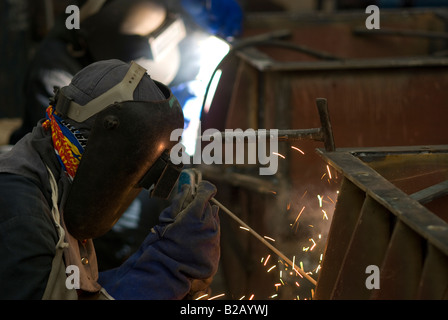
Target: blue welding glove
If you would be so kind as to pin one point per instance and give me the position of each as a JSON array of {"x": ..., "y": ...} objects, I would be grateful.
[
  {"x": 222, "y": 18},
  {"x": 180, "y": 254}
]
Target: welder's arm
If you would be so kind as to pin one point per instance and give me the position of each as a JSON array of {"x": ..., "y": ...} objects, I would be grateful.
[
  {"x": 219, "y": 17},
  {"x": 183, "y": 247}
]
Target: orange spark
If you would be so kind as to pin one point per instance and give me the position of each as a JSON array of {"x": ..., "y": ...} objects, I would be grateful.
[
  {"x": 267, "y": 260},
  {"x": 300, "y": 213},
  {"x": 320, "y": 198},
  {"x": 314, "y": 244},
  {"x": 217, "y": 296},
  {"x": 329, "y": 172},
  {"x": 303, "y": 194},
  {"x": 278, "y": 154},
  {"x": 295, "y": 148},
  {"x": 297, "y": 218}
]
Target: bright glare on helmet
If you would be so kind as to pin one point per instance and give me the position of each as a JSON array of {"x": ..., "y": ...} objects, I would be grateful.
[{"x": 213, "y": 51}]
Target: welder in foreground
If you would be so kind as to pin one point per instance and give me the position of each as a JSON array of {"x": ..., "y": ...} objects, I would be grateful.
[{"x": 106, "y": 136}]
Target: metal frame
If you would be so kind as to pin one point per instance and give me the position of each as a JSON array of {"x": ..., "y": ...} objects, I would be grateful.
[
  {"x": 376, "y": 223},
  {"x": 263, "y": 62}
]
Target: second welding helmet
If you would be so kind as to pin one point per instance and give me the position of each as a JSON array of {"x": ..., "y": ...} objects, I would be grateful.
[
  {"x": 144, "y": 31},
  {"x": 128, "y": 119}
]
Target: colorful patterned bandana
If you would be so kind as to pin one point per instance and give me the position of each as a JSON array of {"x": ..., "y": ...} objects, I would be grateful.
[{"x": 68, "y": 142}]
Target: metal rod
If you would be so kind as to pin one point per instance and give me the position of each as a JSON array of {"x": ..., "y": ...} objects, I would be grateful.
[
  {"x": 264, "y": 241},
  {"x": 300, "y": 48},
  {"x": 327, "y": 131},
  {"x": 431, "y": 193},
  {"x": 282, "y": 135},
  {"x": 262, "y": 186},
  {"x": 402, "y": 33},
  {"x": 323, "y": 134}
]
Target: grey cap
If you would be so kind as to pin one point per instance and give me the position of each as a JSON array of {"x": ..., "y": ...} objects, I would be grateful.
[{"x": 99, "y": 77}]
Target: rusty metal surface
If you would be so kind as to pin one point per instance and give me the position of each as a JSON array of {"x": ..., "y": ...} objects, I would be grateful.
[
  {"x": 343, "y": 224},
  {"x": 379, "y": 105},
  {"x": 376, "y": 93},
  {"x": 393, "y": 230},
  {"x": 387, "y": 106},
  {"x": 335, "y": 33},
  {"x": 402, "y": 266},
  {"x": 434, "y": 279},
  {"x": 367, "y": 245}
]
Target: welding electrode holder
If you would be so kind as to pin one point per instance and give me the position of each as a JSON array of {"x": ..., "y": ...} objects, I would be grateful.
[
  {"x": 191, "y": 177},
  {"x": 162, "y": 177}
]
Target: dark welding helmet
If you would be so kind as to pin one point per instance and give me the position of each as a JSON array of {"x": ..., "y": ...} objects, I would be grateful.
[
  {"x": 144, "y": 31},
  {"x": 128, "y": 120}
]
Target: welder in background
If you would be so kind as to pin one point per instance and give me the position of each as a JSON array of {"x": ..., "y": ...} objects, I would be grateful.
[{"x": 121, "y": 29}]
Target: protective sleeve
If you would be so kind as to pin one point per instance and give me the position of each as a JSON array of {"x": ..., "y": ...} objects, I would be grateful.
[
  {"x": 182, "y": 248},
  {"x": 27, "y": 239}
]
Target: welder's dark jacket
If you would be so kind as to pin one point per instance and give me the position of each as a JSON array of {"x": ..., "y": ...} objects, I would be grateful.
[{"x": 28, "y": 234}]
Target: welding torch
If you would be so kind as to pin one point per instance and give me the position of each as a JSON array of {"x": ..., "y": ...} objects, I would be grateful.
[{"x": 193, "y": 176}]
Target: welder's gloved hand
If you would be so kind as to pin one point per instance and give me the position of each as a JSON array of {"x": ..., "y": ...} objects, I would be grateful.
[
  {"x": 222, "y": 18},
  {"x": 181, "y": 252}
]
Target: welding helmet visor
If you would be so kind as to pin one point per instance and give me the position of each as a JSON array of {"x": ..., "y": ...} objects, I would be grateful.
[{"x": 127, "y": 150}]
